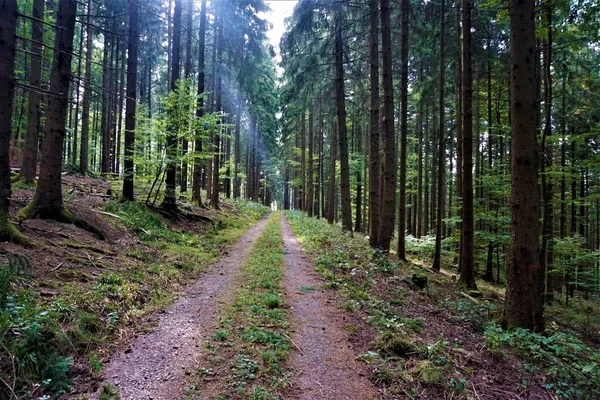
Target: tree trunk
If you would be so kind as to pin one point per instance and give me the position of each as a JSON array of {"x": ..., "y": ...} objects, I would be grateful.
[
  {"x": 310, "y": 184},
  {"x": 546, "y": 162},
  {"x": 131, "y": 102},
  {"x": 238, "y": 155},
  {"x": 358, "y": 221},
  {"x": 374, "y": 160},
  {"x": 582, "y": 203},
  {"x": 214, "y": 193},
  {"x": 114, "y": 90},
  {"x": 30, "y": 150},
  {"x": 426, "y": 179},
  {"x": 388, "y": 181},
  {"x": 169, "y": 201},
  {"x": 340, "y": 100},
  {"x": 87, "y": 95},
  {"x": 187, "y": 72},
  {"x": 467, "y": 271},
  {"x": 104, "y": 123},
  {"x": 489, "y": 272},
  {"x": 525, "y": 285},
  {"x": 331, "y": 185},
  {"x": 8, "y": 26},
  {"x": 122, "y": 92},
  {"x": 563, "y": 154},
  {"x": 319, "y": 199},
  {"x": 437, "y": 255},
  {"x": 405, "y": 10},
  {"x": 302, "y": 204},
  {"x": 199, "y": 108},
  {"x": 47, "y": 201},
  {"x": 75, "y": 127}
]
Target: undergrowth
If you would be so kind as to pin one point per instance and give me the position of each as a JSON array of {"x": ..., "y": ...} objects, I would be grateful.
[
  {"x": 401, "y": 361},
  {"x": 40, "y": 337},
  {"x": 250, "y": 344},
  {"x": 572, "y": 367}
]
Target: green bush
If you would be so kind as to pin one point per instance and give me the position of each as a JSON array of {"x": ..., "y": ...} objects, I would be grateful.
[
  {"x": 31, "y": 339},
  {"x": 572, "y": 366}
]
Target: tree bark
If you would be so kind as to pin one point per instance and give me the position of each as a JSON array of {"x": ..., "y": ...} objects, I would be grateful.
[
  {"x": 47, "y": 201},
  {"x": 489, "y": 272},
  {"x": 546, "y": 161},
  {"x": 8, "y": 26},
  {"x": 214, "y": 193},
  {"x": 340, "y": 96},
  {"x": 310, "y": 173},
  {"x": 441, "y": 205},
  {"x": 238, "y": 155},
  {"x": 358, "y": 220},
  {"x": 302, "y": 204},
  {"x": 388, "y": 181},
  {"x": 374, "y": 160},
  {"x": 199, "y": 108},
  {"x": 467, "y": 271},
  {"x": 524, "y": 287},
  {"x": 187, "y": 72},
  {"x": 131, "y": 102},
  {"x": 331, "y": 184},
  {"x": 30, "y": 150},
  {"x": 404, "y": 12},
  {"x": 169, "y": 201},
  {"x": 122, "y": 93},
  {"x": 87, "y": 96},
  {"x": 105, "y": 122}
]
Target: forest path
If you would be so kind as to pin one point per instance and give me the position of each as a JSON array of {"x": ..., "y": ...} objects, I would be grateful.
[
  {"x": 327, "y": 366},
  {"x": 155, "y": 365}
]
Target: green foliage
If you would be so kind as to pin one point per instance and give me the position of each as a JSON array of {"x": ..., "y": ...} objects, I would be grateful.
[
  {"x": 428, "y": 373},
  {"x": 573, "y": 257},
  {"x": 572, "y": 366},
  {"x": 32, "y": 339},
  {"x": 248, "y": 209},
  {"x": 477, "y": 315},
  {"x": 38, "y": 336},
  {"x": 395, "y": 344},
  {"x": 109, "y": 392},
  {"x": 422, "y": 247}
]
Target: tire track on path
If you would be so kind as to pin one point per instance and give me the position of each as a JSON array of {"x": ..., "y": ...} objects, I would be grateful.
[
  {"x": 156, "y": 365},
  {"x": 327, "y": 366}
]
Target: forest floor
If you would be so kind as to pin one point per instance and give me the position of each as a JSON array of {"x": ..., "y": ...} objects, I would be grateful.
[{"x": 230, "y": 304}]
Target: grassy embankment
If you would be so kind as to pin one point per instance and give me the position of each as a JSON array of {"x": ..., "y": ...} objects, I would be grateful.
[
  {"x": 433, "y": 339},
  {"x": 50, "y": 343}
]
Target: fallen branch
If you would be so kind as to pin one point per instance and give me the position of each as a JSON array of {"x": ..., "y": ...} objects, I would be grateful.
[
  {"x": 107, "y": 213},
  {"x": 90, "y": 258},
  {"x": 294, "y": 343},
  {"x": 473, "y": 299},
  {"x": 58, "y": 266}
]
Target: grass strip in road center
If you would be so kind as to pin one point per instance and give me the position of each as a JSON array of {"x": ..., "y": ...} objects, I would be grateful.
[{"x": 246, "y": 354}]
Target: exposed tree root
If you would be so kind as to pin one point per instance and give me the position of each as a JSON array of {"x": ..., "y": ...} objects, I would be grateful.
[
  {"x": 8, "y": 233},
  {"x": 58, "y": 213}
]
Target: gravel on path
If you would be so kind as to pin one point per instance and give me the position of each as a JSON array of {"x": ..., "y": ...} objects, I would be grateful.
[
  {"x": 326, "y": 364},
  {"x": 155, "y": 366}
]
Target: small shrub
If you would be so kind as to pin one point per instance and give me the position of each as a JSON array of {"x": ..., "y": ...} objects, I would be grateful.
[
  {"x": 572, "y": 366},
  {"x": 427, "y": 373},
  {"x": 395, "y": 344},
  {"x": 221, "y": 335}
]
